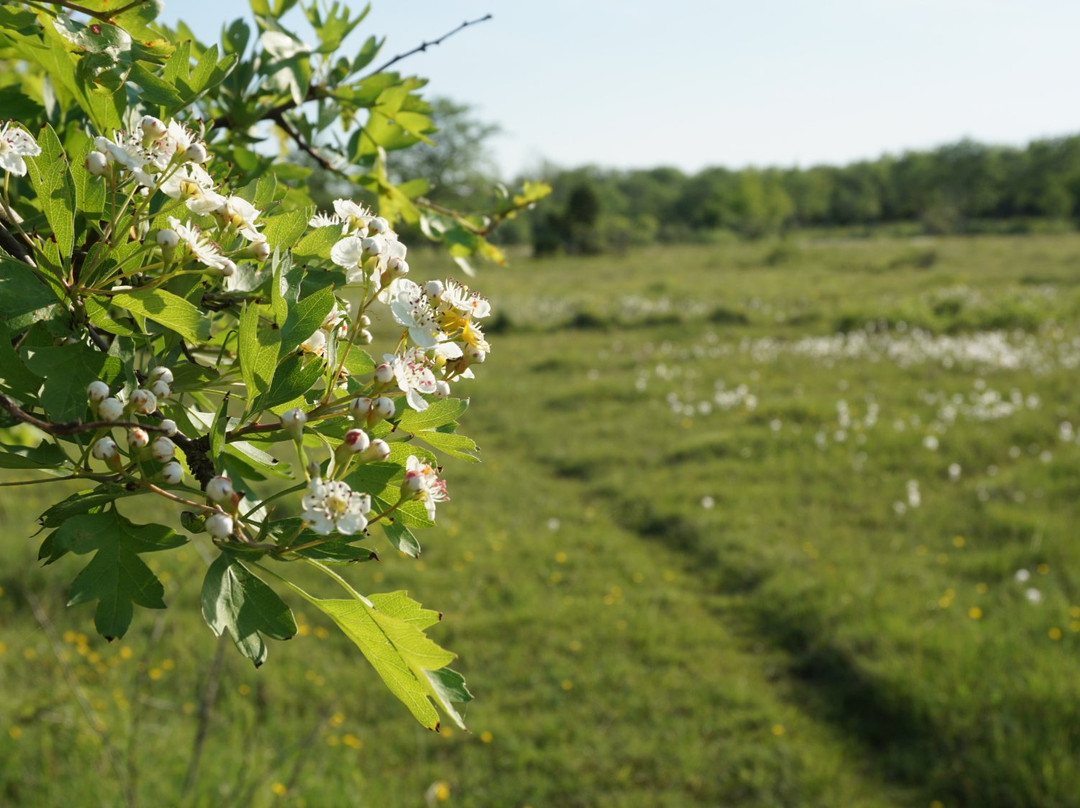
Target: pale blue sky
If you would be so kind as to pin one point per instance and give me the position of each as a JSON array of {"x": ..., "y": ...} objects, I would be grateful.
[{"x": 774, "y": 82}]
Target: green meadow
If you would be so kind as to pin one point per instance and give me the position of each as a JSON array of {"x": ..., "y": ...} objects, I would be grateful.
[{"x": 776, "y": 523}]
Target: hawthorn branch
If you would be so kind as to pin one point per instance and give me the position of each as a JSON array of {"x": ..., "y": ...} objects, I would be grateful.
[
  {"x": 280, "y": 119},
  {"x": 68, "y": 427},
  {"x": 423, "y": 46}
]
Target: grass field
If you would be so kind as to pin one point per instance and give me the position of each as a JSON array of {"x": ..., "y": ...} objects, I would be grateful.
[{"x": 773, "y": 524}]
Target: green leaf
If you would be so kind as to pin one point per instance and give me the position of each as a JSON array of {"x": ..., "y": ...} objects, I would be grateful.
[
  {"x": 388, "y": 630},
  {"x": 305, "y": 317},
  {"x": 168, "y": 310},
  {"x": 21, "y": 290},
  {"x": 219, "y": 427},
  {"x": 115, "y": 577},
  {"x": 238, "y": 602},
  {"x": 439, "y": 413},
  {"x": 258, "y": 352},
  {"x": 55, "y": 189},
  {"x": 15, "y": 379},
  {"x": 285, "y": 229},
  {"x": 66, "y": 370},
  {"x": 315, "y": 246},
  {"x": 45, "y": 456},
  {"x": 293, "y": 378},
  {"x": 402, "y": 538},
  {"x": 450, "y": 443}
]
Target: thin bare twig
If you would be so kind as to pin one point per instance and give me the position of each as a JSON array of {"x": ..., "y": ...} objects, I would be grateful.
[
  {"x": 69, "y": 427},
  {"x": 423, "y": 46}
]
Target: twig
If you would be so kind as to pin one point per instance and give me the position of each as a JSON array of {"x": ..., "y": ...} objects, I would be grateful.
[
  {"x": 307, "y": 148},
  {"x": 69, "y": 427},
  {"x": 423, "y": 46},
  {"x": 104, "y": 16},
  {"x": 13, "y": 246}
]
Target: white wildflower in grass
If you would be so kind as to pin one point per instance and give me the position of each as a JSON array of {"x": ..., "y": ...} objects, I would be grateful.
[
  {"x": 412, "y": 372},
  {"x": 333, "y": 506},
  {"x": 1033, "y": 595},
  {"x": 1021, "y": 576},
  {"x": 16, "y": 144},
  {"x": 422, "y": 483}
]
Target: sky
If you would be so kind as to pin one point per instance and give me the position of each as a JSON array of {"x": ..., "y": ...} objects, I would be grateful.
[{"x": 693, "y": 83}]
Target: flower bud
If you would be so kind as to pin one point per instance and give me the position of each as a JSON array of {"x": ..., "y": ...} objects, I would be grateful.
[
  {"x": 476, "y": 356},
  {"x": 143, "y": 401},
  {"x": 357, "y": 440},
  {"x": 160, "y": 373},
  {"x": 360, "y": 408},
  {"x": 378, "y": 225},
  {"x": 137, "y": 438},
  {"x": 196, "y": 153},
  {"x": 168, "y": 240},
  {"x": 384, "y": 374},
  {"x": 376, "y": 452},
  {"x": 162, "y": 449},
  {"x": 220, "y": 489},
  {"x": 442, "y": 388},
  {"x": 381, "y": 409},
  {"x": 160, "y": 389},
  {"x": 172, "y": 473},
  {"x": 153, "y": 128},
  {"x": 226, "y": 267},
  {"x": 260, "y": 250},
  {"x": 105, "y": 449},
  {"x": 96, "y": 163},
  {"x": 110, "y": 409},
  {"x": 293, "y": 422},
  {"x": 315, "y": 344},
  {"x": 364, "y": 321},
  {"x": 434, "y": 288},
  {"x": 372, "y": 246},
  {"x": 220, "y": 525},
  {"x": 413, "y": 484},
  {"x": 169, "y": 425},
  {"x": 97, "y": 391},
  {"x": 395, "y": 268},
  {"x": 364, "y": 337},
  {"x": 102, "y": 143}
]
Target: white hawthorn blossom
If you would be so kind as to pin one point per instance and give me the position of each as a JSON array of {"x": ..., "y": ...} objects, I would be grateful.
[
  {"x": 198, "y": 243},
  {"x": 422, "y": 483},
  {"x": 334, "y": 506},
  {"x": 412, "y": 372},
  {"x": 411, "y": 308},
  {"x": 16, "y": 144}
]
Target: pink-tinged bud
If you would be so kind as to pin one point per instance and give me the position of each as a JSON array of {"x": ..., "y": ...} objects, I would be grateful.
[
  {"x": 172, "y": 473},
  {"x": 169, "y": 425},
  {"x": 160, "y": 373},
  {"x": 357, "y": 440},
  {"x": 293, "y": 422},
  {"x": 372, "y": 246},
  {"x": 105, "y": 449},
  {"x": 220, "y": 525},
  {"x": 226, "y": 267},
  {"x": 260, "y": 250},
  {"x": 384, "y": 374},
  {"x": 162, "y": 449},
  {"x": 196, "y": 153},
  {"x": 378, "y": 225},
  {"x": 161, "y": 389},
  {"x": 143, "y": 401},
  {"x": 381, "y": 409},
  {"x": 167, "y": 239},
  {"x": 476, "y": 356},
  {"x": 434, "y": 288},
  {"x": 110, "y": 409},
  {"x": 396, "y": 268},
  {"x": 97, "y": 164},
  {"x": 377, "y": 452},
  {"x": 138, "y": 438},
  {"x": 413, "y": 484},
  {"x": 442, "y": 388},
  {"x": 220, "y": 489},
  {"x": 152, "y": 127},
  {"x": 360, "y": 408},
  {"x": 97, "y": 391}
]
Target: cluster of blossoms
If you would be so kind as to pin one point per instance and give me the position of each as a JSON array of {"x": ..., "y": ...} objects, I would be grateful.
[
  {"x": 141, "y": 449},
  {"x": 169, "y": 157}
]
